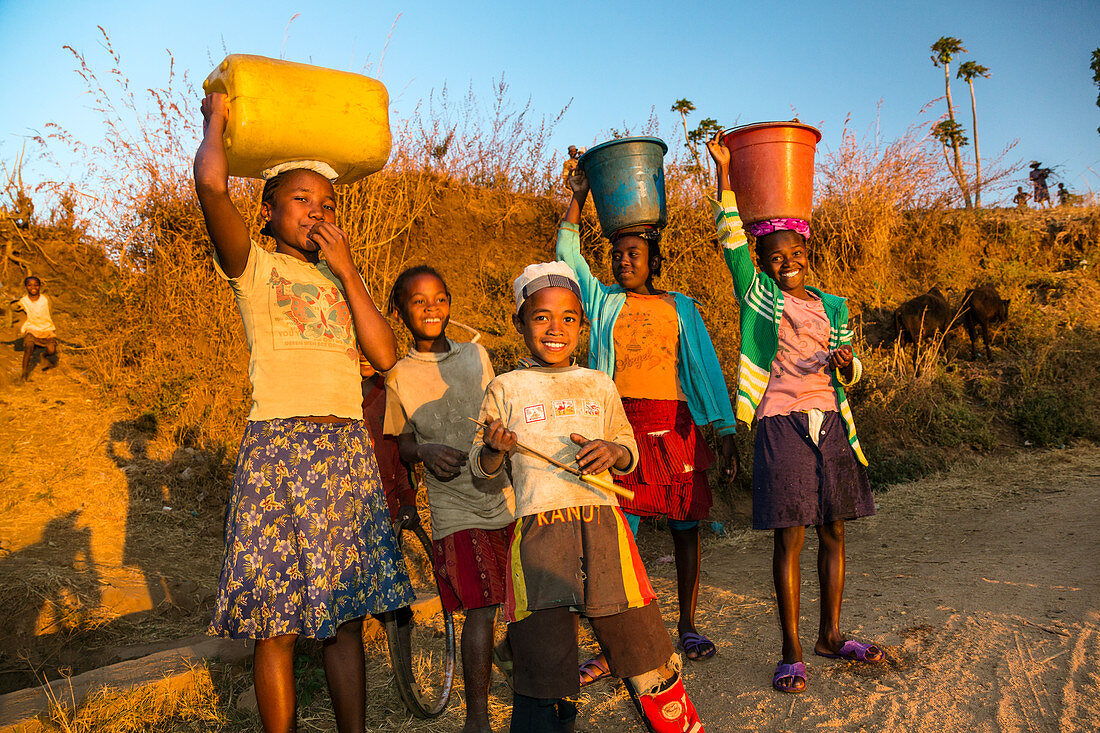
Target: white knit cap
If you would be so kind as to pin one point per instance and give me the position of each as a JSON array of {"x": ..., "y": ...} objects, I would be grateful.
[
  {"x": 544, "y": 275},
  {"x": 316, "y": 166}
]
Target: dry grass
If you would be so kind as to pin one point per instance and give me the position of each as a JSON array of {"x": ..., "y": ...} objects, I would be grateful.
[
  {"x": 468, "y": 189},
  {"x": 181, "y": 707}
]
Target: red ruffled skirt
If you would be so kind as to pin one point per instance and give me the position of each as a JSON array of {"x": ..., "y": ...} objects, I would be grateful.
[{"x": 671, "y": 477}]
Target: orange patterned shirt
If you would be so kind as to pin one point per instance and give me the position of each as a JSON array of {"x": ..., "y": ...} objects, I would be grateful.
[{"x": 647, "y": 347}]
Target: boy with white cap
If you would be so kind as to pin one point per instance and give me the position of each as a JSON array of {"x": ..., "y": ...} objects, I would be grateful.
[{"x": 572, "y": 551}]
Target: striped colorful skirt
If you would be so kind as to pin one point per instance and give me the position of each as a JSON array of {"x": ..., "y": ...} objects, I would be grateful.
[
  {"x": 308, "y": 541},
  {"x": 671, "y": 477},
  {"x": 582, "y": 557}
]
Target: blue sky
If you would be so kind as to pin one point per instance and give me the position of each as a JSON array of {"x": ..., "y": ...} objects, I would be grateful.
[{"x": 743, "y": 61}]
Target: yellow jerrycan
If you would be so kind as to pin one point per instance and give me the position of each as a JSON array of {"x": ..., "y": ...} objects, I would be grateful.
[{"x": 283, "y": 112}]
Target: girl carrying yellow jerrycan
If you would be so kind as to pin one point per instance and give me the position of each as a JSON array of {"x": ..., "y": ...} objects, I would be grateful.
[{"x": 309, "y": 546}]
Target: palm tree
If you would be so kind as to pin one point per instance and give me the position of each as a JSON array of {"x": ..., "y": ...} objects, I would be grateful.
[
  {"x": 685, "y": 107},
  {"x": 945, "y": 49},
  {"x": 949, "y": 135},
  {"x": 968, "y": 71}
]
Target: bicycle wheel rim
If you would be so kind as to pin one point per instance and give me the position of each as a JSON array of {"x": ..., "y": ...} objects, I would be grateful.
[{"x": 424, "y": 671}]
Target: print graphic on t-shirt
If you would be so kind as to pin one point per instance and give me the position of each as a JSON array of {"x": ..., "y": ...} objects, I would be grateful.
[
  {"x": 534, "y": 413},
  {"x": 563, "y": 408},
  {"x": 590, "y": 408},
  {"x": 651, "y": 344},
  {"x": 801, "y": 336},
  {"x": 310, "y": 316}
]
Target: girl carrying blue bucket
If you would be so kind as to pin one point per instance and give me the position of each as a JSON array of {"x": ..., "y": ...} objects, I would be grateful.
[{"x": 654, "y": 344}]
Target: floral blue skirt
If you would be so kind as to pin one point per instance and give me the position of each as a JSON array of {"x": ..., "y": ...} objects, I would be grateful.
[{"x": 308, "y": 541}]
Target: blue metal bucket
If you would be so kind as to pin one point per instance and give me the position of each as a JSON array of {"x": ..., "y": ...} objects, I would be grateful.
[{"x": 627, "y": 180}]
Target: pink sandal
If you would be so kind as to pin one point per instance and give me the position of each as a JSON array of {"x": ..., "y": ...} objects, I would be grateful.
[{"x": 794, "y": 673}]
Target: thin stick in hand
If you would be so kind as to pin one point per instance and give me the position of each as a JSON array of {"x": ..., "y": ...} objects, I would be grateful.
[{"x": 594, "y": 480}]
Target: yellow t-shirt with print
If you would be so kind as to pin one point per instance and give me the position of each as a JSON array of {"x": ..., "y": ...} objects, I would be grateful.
[{"x": 303, "y": 359}]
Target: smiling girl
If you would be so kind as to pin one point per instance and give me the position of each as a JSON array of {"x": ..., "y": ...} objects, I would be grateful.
[
  {"x": 654, "y": 344},
  {"x": 308, "y": 545},
  {"x": 431, "y": 396},
  {"x": 796, "y": 360}
]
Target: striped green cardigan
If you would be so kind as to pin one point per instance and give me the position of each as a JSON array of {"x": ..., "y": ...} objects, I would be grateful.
[{"x": 761, "y": 303}]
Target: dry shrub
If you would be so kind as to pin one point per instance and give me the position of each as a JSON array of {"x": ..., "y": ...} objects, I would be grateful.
[
  {"x": 470, "y": 189},
  {"x": 865, "y": 189},
  {"x": 500, "y": 146}
]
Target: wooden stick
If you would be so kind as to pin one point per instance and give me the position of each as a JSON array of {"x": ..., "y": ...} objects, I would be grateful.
[{"x": 589, "y": 478}]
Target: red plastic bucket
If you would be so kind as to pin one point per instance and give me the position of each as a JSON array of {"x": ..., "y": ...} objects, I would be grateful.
[{"x": 772, "y": 169}]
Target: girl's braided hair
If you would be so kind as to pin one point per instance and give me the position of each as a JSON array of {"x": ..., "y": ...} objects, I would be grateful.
[{"x": 398, "y": 292}]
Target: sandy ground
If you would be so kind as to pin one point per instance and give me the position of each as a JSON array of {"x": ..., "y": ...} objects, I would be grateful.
[{"x": 982, "y": 583}]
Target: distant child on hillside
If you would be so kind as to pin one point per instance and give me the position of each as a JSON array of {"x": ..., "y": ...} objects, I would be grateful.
[
  {"x": 1066, "y": 197},
  {"x": 432, "y": 395},
  {"x": 38, "y": 329},
  {"x": 655, "y": 346},
  {"x": 309, "y": 546},
  {"x": 796, "y": 360},
  {"x": 1021, "y": 198},
  {"x": 572, "y": 551}
]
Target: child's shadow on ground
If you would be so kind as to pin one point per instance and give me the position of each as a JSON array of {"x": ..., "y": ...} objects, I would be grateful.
[
  {"x": 189, "y": 484},
  {"x": 60, "y": 588}
]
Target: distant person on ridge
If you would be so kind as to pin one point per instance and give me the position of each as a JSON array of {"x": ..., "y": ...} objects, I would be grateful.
[
  {"x": 38, "y": 329},
  {"x": 570, "y": 165},
  {"x": 1066, "y": 197},
  {"x": 1021, "y": 198},
  {"x": 1038, "y": 177}
]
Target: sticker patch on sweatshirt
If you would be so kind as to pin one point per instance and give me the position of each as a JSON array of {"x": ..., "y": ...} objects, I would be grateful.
[
  {"x": 534, "y": 413},
  {"x": 590, "y": 408},
  {"x": 563, "y": 408}
]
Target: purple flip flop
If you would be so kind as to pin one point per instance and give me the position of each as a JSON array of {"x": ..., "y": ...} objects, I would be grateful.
[
  {"x": 793, "y": 672},
  {"x": 697, "y": 644},
  {"x": 856, "y": 651}
]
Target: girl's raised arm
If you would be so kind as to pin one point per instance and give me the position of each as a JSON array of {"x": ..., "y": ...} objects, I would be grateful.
[
  {"x": 568, "y": 245},
  {"x": 227, "y": 229}
]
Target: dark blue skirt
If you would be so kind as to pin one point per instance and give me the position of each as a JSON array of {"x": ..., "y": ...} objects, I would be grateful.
[
  {"x": 796, "y": 483},
  {"x": 308, "y": 541}
]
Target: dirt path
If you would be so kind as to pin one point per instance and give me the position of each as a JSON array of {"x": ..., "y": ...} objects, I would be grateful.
[
  {"x": 102, "y": 521},
  {"x": 983, "y": 583}
]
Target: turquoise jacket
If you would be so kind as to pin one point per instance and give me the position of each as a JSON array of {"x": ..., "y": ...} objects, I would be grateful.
[{"x": 700, "y": 374}]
